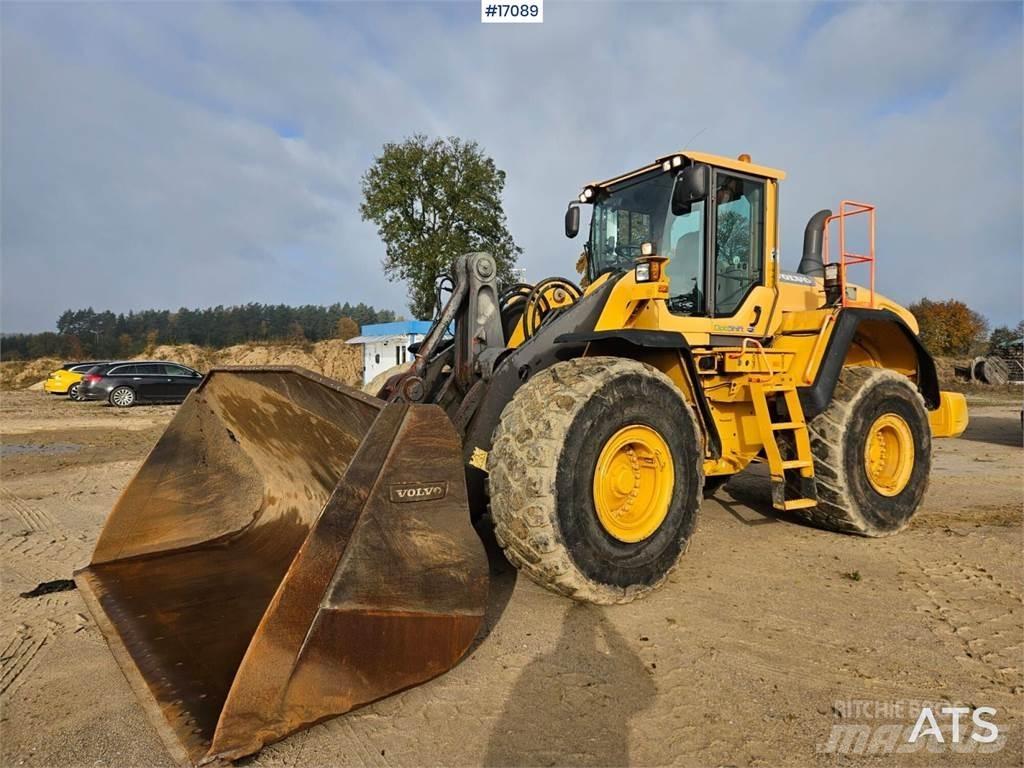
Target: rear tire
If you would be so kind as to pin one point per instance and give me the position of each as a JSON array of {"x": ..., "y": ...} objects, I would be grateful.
[
  {"x": 864, "y": 490},
  {"x": 73, "y": 393},
  {"x": 122, "y": 397},
  {"x": 546, "y": 451}
]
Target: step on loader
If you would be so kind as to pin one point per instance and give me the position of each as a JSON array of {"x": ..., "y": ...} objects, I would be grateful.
[{"x": 293, "y": 548}]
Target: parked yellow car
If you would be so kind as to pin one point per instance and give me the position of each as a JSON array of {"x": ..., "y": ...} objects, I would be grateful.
[{"x": 65, "y": 381}]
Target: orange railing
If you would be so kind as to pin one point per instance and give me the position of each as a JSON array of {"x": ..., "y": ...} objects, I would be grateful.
[{"x": 849, "y": 209}]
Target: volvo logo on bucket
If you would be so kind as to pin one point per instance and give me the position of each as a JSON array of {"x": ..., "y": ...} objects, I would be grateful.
[{"x": 402, "y": 492}]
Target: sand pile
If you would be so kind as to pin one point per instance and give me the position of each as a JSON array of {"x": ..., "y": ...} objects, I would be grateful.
[
  {"x": 334, "y": 359},
  {"x": 199, "y": 358},
  {"x": 21, "y": 374}
]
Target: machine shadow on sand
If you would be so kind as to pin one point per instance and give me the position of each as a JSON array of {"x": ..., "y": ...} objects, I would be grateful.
[{"x": 572, "y": 705}]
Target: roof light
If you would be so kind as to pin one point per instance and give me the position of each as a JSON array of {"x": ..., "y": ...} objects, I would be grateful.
[
  {"x": 647, "y": 249},
  {"x": 744, "y": 158},
  {"x": 587, "y": 194},
  {"x": 677, "y": 161},
  {"x": 667, "y": 165}
]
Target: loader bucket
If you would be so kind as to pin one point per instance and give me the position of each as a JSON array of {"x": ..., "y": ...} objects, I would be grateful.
[{"x": 290, "y": 549}]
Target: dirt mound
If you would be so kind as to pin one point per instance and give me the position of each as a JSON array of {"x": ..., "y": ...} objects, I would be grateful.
[
  {"x": 191, "y": 355},
  {"x": 333, "y": 358},
  {"x": 20, "y": 374}
]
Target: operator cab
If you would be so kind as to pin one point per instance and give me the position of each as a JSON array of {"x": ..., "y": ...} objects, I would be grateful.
[{"x": 707, "y": 214}]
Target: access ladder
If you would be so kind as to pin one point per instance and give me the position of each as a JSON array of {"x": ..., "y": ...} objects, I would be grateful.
[{"x": 797, "y": 489}]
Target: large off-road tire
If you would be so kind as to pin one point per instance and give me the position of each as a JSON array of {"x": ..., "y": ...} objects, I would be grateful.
[
  {"x": 542, "y": 466},
  {"x": 872, "y": 451}
]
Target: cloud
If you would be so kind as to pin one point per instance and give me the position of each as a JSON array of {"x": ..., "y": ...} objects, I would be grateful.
[{"x": 160, "y": 156}]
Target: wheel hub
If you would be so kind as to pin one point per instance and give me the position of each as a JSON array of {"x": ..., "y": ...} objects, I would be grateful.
[
  {"x": 633, "y": 483},
  {"x": 889, "y": 454}
]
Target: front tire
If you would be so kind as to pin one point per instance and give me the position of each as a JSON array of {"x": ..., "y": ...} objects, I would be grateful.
[
  {"x": 122, "y": 397},
  {"x": 596, "y": 476},
  {"x": 872, "y": 451}
]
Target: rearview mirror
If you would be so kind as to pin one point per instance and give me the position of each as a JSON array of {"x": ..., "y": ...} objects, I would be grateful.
[
  {"x": 572, "y": 221},
  {"x": 692, "y": 184}
]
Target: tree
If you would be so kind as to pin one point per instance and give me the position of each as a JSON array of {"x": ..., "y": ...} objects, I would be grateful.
[
  {"x": 73, "y": 347},
  {"x": 345, "y": 328},
  {"x": 85, "y": 333},
  {"x": 296, "y": 332},
  {"x": 125, "y": 346},
  {"x": 1002, "y": 336},
  {"x": 733, "y": 240},
  {"x": 432, "y": 201},
  {"x": 948, "y": 327}
]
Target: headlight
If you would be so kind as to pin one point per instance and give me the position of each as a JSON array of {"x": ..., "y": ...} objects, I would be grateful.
[{"x": 643, "y": 272}]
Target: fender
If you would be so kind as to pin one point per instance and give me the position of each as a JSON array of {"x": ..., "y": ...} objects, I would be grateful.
[
  {"x": 565, "y": 337},
  {"x": 816, "y": 397},
  {"x": 660, "y": 340}
]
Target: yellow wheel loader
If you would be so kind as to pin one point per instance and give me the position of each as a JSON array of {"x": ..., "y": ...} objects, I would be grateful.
[{"x": 293, "y": 548}]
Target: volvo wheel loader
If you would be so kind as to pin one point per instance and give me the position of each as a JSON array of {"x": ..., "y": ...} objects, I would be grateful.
[{"x": 293, "y": 548}]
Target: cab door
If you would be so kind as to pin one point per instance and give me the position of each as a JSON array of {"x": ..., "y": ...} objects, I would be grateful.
[
  {"x": 721, "y": 248},
  {"x": 738, "y": 280}
]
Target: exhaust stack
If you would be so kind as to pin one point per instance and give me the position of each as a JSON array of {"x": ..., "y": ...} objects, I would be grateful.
[{"x": 811, "y": 263}]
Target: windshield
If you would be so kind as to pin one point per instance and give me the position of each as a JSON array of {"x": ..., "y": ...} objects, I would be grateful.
[
  {"x": 640, "y": 212},
  {"x": 625, "y": 219}
]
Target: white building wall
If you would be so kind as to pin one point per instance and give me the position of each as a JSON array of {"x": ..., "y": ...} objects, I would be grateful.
[{"x": 381, "y": 355}]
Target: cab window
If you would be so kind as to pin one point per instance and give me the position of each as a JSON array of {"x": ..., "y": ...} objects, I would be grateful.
[{"x": 739, "y": 240}]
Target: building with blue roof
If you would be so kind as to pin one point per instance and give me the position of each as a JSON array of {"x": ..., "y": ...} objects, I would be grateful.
[{"x": 386, "y": 345}]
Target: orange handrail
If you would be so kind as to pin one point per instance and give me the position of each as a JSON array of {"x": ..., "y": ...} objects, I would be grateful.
[
  {"x": 747, "y": 341},
  {"x": 850, "y": 208}
]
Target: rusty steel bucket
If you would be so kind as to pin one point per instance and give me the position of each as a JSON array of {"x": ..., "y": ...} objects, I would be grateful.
[{"x": 290, "y": 549}]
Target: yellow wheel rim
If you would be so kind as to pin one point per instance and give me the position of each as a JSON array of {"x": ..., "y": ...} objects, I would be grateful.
[
  {"x": 889, "y": 454},
  {"x": 633, "y": 483}
]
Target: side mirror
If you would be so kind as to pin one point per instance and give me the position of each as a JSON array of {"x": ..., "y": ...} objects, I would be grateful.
[
  {"x": 572, "y": 221},
  {"x": 692, "y": 184}
]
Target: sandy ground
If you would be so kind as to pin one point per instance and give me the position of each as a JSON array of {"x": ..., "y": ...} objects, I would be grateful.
[{"x": 769, "y": 634}]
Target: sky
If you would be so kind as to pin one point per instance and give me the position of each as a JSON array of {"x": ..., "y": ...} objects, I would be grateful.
[{"x": 159, "y": 155}]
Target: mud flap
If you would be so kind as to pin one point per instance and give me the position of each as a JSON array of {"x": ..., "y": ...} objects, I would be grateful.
[{"x": 290, "y": 549}]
